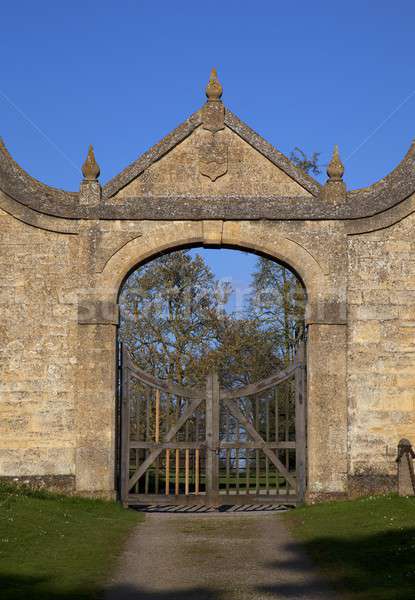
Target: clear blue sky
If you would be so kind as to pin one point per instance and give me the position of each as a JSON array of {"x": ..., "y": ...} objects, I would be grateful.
[{"x": 122, "y": 74}]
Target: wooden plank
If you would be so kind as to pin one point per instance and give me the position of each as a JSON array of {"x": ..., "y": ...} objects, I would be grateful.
[
  {"x": 165, "y": 386},
  {"x": 257, "y": 445},
  {"x": 186, "y": 471},
  {"x": 247, "y": 471},
  {"x": 241, "y": 499},
  {"x": 257, "y": 425},
  {"x": 137, "y": 463},
  {"x": 156, "y": 452},
  {"x": 212, "y": 434},
  {"x": 156, "y": 475},
  {"x": 157, "y": 427},
  {"x": 197, "y": 467},
  {"x": 146, "y": 477},
  {"x": 261, "y": 386},
  {"x": 148, "y": 436},
  {"x": 222, "y": 445},
  {"x": 177, "y": 472},
  {"x": 170, "y": 445},
  {"x": 277, "y": 431},
  {"x": 256, "y": 436},
  {"x": 267, "y": 474},
  {"x": 228, "y": 474},
  {"x": 287, "y": 416},
  {"x": 167, "y": 474},
  {"x": 238, "y": 437}
]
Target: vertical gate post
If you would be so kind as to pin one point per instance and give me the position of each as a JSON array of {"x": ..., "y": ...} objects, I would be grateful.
[
  {"x": 300, "y": 421},
  {"x": 212, "y": 438},
  {"x": 124, "y": 428}
]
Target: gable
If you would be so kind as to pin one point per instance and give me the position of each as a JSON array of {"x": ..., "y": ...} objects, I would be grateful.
[{"x": 197, "y": 166}]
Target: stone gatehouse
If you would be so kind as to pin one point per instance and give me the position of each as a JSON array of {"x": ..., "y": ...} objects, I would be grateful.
[{"x": 211, "y": 181}]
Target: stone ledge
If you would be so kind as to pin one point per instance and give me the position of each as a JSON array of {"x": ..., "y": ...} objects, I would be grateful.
[
  {"x": 52, "y": 483},
  {"x": 369, "y": 484},
  {"x": 97, "y": 494},
  {"x": 317, "y": 497}
]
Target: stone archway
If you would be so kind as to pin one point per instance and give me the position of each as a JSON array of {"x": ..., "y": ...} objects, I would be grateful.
[{"x": 327, "y": 416}]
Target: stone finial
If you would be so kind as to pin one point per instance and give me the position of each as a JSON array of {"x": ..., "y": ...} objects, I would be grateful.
[
  {"x": 213, "y": 112},
  {"x": 334, "y": 190},
  {"x": 90, "y": 191},
  {"x": 214, "y": 89},
  {"x": 90, "y": 168},
  {"x": 335, "y": 169}
]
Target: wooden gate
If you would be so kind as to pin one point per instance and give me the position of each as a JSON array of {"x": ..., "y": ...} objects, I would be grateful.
[{"x": 210, "y": 445}]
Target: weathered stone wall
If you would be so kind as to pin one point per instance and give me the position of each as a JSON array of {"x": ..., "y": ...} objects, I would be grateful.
[
  {"x": 38, "y": 331},
  {"x": 381, "y": 352},
  {"x": 179, "y": 170},
  {"x": 212, "y": 181},
  {"x": 57, "y": 401}
]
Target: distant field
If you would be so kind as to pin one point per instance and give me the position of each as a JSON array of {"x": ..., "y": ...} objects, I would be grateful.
[
  {"x": 366, "y": 547},
  {"x": 54, "y": 547}
]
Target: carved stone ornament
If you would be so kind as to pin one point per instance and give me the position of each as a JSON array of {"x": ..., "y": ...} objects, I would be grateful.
[
  {"x": 335, "y": 169},
  {"x": 214, "y": 88},
  {"x": 213, "y": 159},
  {"x": 90, "y": 168},
  {"x": 334, "y": 190}
]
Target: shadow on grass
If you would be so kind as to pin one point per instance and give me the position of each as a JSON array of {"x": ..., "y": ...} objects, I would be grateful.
[
  {"x": 127, "y": 592},
  {"x": 16, "y": 587},
  {"x": 374, "y": 567}
]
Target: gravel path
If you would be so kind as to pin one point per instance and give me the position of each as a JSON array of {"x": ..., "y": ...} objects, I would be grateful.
[{"x": 214, "y": 557}]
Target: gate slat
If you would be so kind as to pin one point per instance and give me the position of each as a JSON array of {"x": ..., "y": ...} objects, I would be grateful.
[
  {"x": 157, "y": 451},
  {"x": 254, "y": 434}
]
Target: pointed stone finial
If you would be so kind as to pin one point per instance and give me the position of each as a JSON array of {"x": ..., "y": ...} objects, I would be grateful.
[
  {"x": 214, "y": 89},
  {"x": 90, "y": 168},
  {"x": 335, "y": 168},
  {"x": 334, "y": 190},
  {"x": 90, "y": 190}
]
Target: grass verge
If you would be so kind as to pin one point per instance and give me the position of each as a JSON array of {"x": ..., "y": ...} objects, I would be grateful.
[
  {"x": 365, "y": 548},
  {"x": 58, "y": 547}
]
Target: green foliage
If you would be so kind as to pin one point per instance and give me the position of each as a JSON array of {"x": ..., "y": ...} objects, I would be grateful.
[
  {"x": 170, "y": 311},
  {"x": 308, "y": 164},
  {"x": 277, "y": 302},
  {"x": 364, "y": 547},
  {"x": 57, "y": 547}
]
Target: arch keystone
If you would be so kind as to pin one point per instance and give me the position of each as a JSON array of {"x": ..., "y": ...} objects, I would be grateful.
[{"x": 212, "y": 233}]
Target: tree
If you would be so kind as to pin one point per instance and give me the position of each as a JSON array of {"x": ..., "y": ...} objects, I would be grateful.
[
  {"x": 244, "y": 353},
  {"x": 170, "y": 309},
  {"x": 301, "y": 160},
  {"x": 174, "y": 322},
  {"x": 277, "y": 302}
]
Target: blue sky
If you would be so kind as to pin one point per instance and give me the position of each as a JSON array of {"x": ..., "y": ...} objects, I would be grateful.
[{"x": 122, "y": 74}]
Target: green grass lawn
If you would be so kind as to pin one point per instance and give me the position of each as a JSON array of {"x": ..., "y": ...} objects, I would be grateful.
[
  {"x": 366, "y": 547},
  {"x": 55, "y": 547}
]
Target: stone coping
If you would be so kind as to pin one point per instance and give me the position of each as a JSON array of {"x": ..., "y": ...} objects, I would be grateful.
[{"x": 366, "y": 202}]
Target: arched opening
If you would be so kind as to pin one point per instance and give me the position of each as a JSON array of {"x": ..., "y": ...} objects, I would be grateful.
[{"x": 213, "y": 379}]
